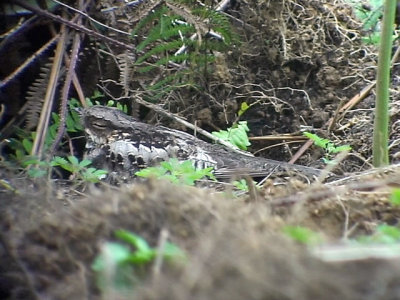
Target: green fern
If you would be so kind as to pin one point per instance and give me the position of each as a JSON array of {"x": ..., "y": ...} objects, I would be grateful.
[
  {"x": 219, "y": 23},
  {"x": 175, "y": 44},
  {"x": 177, "y": 59},
  {"x": 167, "y": 29},
  {"x": 165, "y": 85},
  {"x": 157, "y": 13}
]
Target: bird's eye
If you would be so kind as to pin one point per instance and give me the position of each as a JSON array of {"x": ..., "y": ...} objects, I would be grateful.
[{"x": 99, "y": 125}]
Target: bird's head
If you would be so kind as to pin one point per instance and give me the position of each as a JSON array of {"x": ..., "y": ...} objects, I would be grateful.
[{"x": 101, "y": 121}]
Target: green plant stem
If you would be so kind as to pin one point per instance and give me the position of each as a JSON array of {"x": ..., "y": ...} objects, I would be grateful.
[{"x": 381, "y": 122}]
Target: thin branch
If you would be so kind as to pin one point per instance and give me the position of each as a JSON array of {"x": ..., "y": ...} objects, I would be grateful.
[
  {"x": 65, "y": 92},
  {"x": 72, "y": 25},
  {"x": 28, "y": 61},
  {"x": 91, "y": 19},
  {"x": 189, "y": 125}
]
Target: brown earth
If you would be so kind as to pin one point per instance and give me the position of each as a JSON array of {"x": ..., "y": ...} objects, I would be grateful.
[{"x": 298, "y": 62}]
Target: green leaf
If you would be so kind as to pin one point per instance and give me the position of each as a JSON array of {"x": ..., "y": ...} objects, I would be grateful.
[
  {"x": 89, "y": 102},
  {"x": 93, "y": 175},
  {"x": 19, "y": 154},
  {"x": 74, "y": 160},
  {"x": 173, "y": 252},
  {"x": 58, "y": 161},
  {"x": 243, "y": 108},
  {"x": 70, "y": 123},
  {"x": 77, "y": 120},
  {"x": 395, "y": 197},
  {"x": 236, "y": 135},
  {"x": 97, "y": 94},
  {"x": 241, "y": 185},
  {"x": 173, "y": 45},
  {"x": 100, "y": 172},
  {"x": 342, "y": 148},
  {"x": 114, "y": 252},
  {"x": 27, "y": 144},
  {"x": 222, "y": 134},
  {"x": 63, "y": 163},
  {"x": 143, "y": 254},
  {"x": 36, "y": 173},
  {"x": 384, "y": 234},
  {"x": 141, "y": 257},
  {"x": 29, "y": 160},
  {"x": 391, "y": 232},
  {"x": 176, "y": 171},
  {"x": 151, "y": 172},
  {"x": 169, "y": 165},
  {"x": 326, "y": 144},
  {"x": 56, "y": 118},
  {"x": 85, "y": 163},
  {"x": 133, "y": 239},
  {"x": 51, "y": 134},
  {"x": 302, "y": 234}
]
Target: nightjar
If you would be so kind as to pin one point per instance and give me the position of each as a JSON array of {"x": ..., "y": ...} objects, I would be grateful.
[{"x": 123, "y": 145}]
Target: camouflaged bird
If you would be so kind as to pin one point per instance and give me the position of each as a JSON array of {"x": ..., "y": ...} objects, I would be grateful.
[{"x": 124, "y": 145}]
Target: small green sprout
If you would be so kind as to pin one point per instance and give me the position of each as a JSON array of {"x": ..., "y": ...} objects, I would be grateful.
[
  {"x": 241, "y": 185},
  {"x": 118, "y": 263},
  {"x": 78, "y": 168},
  {"x": 395, "y": 197},
  {"x": 329, "y": 147},
  {"x": 302, "y": 235},
  {"x": 384, "y": 234},
  {"x": 243, "y": 108},
  {"x": 177, "y": 172},
  {"x": 236, "y": 135}
]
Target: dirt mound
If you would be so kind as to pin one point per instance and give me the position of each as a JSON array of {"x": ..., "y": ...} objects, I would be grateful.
[
  {"x": 235, "y": 249},
  {"x": 62, "y": 245}
]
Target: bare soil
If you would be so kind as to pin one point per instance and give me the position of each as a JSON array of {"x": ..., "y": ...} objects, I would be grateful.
[{"x": 298, "y": 62}]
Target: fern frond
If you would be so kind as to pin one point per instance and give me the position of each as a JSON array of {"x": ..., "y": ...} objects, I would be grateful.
[
  {"x": 153, "y": 35},
  {"x": 144, "y": 10},
  {"x": 220, "y": 24},
  {"x": 202, "y": 60},
  {"x": 165, "y": 30},
  {"x": 162, "y": 92},
  {"x": 164, "y": 86},
  {"x": 186, "y": 13},
  {"x": 125, "y": 65},
  {"x": 166, "y": 80},
  {"x": 149, "y": 19},
  {"x": 35, "y": 96},
  {"x": 165, "y": 60},
  {"x": 168, "y": 28},
  {"x": 213, "y": 45},
  {"x": 172, "y": 45}
]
